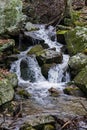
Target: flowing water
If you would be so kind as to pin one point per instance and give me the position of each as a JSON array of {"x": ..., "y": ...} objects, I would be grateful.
[{"x": 29, "y": 72}]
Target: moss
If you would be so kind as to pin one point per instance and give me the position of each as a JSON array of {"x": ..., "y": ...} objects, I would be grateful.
[
  {"x": 27, "y": 127},
  {"x": 49, "y": 127},
  {"x": 23, "y": 93},
  {"x": 81, "y": 80},
  {"x": 85, "y": 51},
  {"x": 61, "y": 32},
  {"x": 35, "y": 50},
  {"x": 76, "y": 40}
]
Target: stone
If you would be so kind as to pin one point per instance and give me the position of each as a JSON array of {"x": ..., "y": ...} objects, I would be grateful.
[
  {"x": 30, "y": 27},
  {"x": 27, "y": 127},
  {"x": 81, "y": 80},
  {"x": 6, "y": 91},
  {"x": 23, "y": 93},
  {"x": 45, "y": 69},
  {"x": 76, "y": 63},
  {"x": 73, "y": 90},
  {"x": 6, "y": 45},
  {"x": 76, "y": 40},
  {"x": 10, "y": 15},
  {"x": 49, "y": 56},
  {"x": 49, "y": 127},
  {"x": 35, "y": 50},
  {"x": 54, "y": 92},
  {"x": 8, "y": 81}
]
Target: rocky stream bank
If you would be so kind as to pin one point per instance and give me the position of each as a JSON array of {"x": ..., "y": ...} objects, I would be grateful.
[{"x": 59, "y": 106}]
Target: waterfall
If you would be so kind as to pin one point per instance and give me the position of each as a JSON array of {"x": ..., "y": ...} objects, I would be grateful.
[{"x": 29, "y": 72}]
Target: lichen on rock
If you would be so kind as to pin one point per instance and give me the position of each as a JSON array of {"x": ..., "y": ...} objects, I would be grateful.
[{"x": 10, "y": 15}]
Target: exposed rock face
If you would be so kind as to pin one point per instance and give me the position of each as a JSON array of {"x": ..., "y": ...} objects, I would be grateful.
[
  {"x": 77, "y": 62},
  {"x": 76, "y": 40},
  {"x": 10, "y": 15},
  {"x": 81, "y": 80},
  {"x": 7, "y": 83}
]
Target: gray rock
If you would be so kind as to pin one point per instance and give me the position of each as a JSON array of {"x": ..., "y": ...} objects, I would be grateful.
[
  {"x": 49, "y": 56},
  {"x": 77, "y": 62},
  {"x": 6, "y": 91},
  {"x": 10, "y": 15},
  {"x": 81, "y": 80}
]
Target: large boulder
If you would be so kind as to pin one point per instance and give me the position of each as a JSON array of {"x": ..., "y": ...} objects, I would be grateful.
[
  {"x": 77, "y": 62},
  {"x": 81, "y": 80},
  {"x": 10, "y": 15},
  {"x": 6, "y": 91},
  {"x": 49, "y": 56},
  {"x": 8, "y": 81},
  {"x": 76, "y": 40}
]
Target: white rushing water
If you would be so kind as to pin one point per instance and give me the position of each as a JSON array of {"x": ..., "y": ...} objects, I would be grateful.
[{"x": 33, "y": 79}]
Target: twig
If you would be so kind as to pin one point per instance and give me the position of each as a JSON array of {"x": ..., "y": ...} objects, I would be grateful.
[
  {"x": 83, "y": 106},
  {"x": 67, "y": 123}
]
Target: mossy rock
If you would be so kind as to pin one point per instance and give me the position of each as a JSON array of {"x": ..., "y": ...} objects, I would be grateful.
[
  {"x": 49, "y": 56},
  {"x": 76, "y": 40},
  {"x": 35, "y": 50},
  {"x": 6, "y": 45},
  {"x": 76, "y": 63},
  {"x": 81, "y": 80},
  {"x": 85, "y": 51},
  {"x": 23, "y": 93},
  {"x": 49, "y": 127},
  {"x": 6, "y": 91},
  {"x": 30, "y": 27},
  {"x": 73, "y": 90},
  {"x": 10, "y": 15},
  {"x": 27, "y": 127}
]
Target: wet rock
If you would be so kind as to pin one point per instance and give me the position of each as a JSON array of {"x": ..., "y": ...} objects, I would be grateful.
[
  {"x": 45, "y": 69},
  {"x": 35, "y": 50},
  {"x": 81, "y": 80},
  {"x": 73, "y": 90},
  {"x": 77, "y": 62},
  {"x": 24, "y": 69},
  {"x": 10, "y": 16},
  {"x": 33, "y": 38},
  {"x": 54, "y": 92},
  {"x": 76, "y": 40},
  {"x": 60, "y": 36},
  {"x": 30, "y": 27},
  {"x": 49, "y": 56},
  {"x": 23, "y": 93}
]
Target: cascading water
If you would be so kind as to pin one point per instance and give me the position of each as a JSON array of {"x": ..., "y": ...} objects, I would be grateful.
[{"x": 33, "y": 79}]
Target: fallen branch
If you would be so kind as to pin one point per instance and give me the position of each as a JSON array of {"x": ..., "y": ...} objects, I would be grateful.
[{"x": 83, "y": 106}]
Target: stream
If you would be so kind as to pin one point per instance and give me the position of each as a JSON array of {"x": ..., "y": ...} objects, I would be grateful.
[
  {"x": 31, "y": 77},
  {"x": 42, "y": 103}
]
